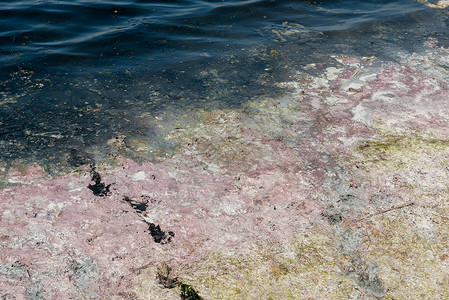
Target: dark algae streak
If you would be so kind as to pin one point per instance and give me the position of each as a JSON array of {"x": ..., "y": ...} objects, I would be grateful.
[
  {"x": 188, "y": 293},
  {"x": 159, "y": 236}
]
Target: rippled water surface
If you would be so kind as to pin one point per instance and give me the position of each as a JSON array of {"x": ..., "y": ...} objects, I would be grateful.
[{"x": 74, "y": 74}]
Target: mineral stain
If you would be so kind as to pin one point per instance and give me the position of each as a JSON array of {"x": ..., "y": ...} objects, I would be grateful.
[
  {"x": 333, "y": 218},
  {"x": 368, "y": 279}
]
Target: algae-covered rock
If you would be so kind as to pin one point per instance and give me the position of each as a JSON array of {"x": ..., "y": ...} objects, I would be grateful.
[
  {"x": 412, "y": 254},
  {"x": 308, "y": 267},
  {"x": 408, "y": 240},
  {"x": 404, "y": 151},
  {"x": 338, "y": 191}
]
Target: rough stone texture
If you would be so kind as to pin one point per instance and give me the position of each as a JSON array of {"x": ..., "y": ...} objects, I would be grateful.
[{"x": 338, "y": 190}]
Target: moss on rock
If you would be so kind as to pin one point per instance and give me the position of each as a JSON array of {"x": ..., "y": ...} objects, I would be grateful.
[
  {"x": 413, "y": 259},
  {"x": 309, "y": 267},
  {"x": 401, "y": 151},
  {"x": 409, "y": 243}
]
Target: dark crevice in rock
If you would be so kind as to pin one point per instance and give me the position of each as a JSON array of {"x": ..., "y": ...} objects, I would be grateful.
[
  {"x": 99, "y": 188},
  {"x": 140, "y": 207},
  {"x": 167, "y": 280},
  {"x": 158, "y": 235}
]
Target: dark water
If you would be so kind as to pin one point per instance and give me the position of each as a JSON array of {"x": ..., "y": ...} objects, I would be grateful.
[{"x": 74, "y": 74}]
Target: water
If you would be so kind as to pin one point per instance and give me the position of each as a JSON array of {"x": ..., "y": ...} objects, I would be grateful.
[{"x": 74, "y": 74}]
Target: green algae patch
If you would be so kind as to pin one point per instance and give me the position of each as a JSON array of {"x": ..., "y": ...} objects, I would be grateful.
[
  {"x": 277, "y": 119},
  {"x": 408, "y": 242},
  {"x": 414, "y": 165},
  {"x": 400, "y": 152},
  {"x": 309, "y": 267},
  {"x": 217, "y": 142},
  {"x": 412, "y": 254},
  {"x": 237, "y": 140}
]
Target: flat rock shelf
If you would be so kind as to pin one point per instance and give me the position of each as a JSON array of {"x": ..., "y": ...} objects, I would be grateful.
[{"x": 338, "y": 190}]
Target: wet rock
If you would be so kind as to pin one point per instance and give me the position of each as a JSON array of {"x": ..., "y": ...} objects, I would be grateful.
[
  {"x": 118, "y": 142},
  {"x": 350, "y": 148},
  {"x": 77, "y": 158}
]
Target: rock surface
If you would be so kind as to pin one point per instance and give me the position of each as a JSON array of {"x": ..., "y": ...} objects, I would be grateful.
[{"x": 339, "y": 189}]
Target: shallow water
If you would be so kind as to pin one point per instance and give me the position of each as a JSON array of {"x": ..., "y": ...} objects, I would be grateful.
[
  {"x": 76, "y": 74},
  {"x": 82, "y": 36}
]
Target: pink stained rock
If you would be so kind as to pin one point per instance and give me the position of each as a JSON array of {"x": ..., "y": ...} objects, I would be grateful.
[
  {"x": 27, "y": 175},
  {"x": 338, "y": 190}
]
